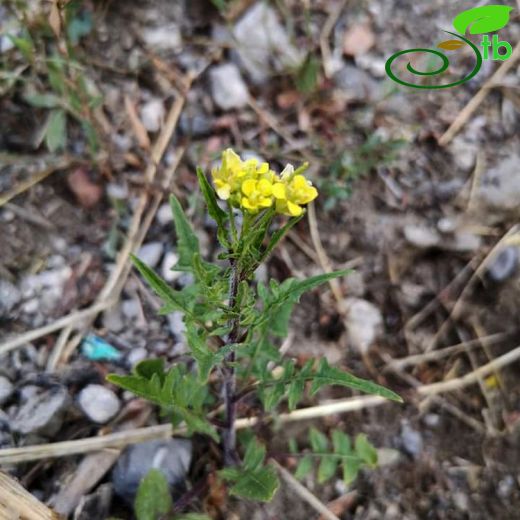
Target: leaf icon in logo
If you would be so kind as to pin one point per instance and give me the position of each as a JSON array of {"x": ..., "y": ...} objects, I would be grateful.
[
  {"x": 451, "y": 45},
  {"x": 480, "y": 20}
]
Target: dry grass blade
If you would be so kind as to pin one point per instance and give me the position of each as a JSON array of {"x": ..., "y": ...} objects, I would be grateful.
[
  {"x": 35, "y": 179},
  {"x": 304, "y": 493},
  {"x": 164, "y": 431},
  {"x": 473, "y": 377},
  {"x": 17, "y": 503}
]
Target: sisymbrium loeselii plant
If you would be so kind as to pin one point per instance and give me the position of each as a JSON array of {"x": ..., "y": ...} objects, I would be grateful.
[{"x": 233, "y": 325}]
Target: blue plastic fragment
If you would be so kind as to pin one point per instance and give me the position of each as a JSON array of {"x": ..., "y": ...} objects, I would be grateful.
[{"x": 95, "y": 348}]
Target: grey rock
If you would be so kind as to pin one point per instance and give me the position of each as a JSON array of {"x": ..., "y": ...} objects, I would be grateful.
[
  {"x": 227, "y": 87},
  {"x": 136, "y": 355},
  {"x": 151, "y": 253},
  {"x": 10, "y": 296},
  {"x": 164, "y": 214},
  {"x": 411, "y": 440},
  {"x": 263, "y": 44},
  {"x": 95, "y": 505},
  {"x": 130, "y": 308},
  {"x": 422, "y": 237},
  {"x": 42, "y": 414},
  {"x": 354, "y": 83},
  {"x": 165, "y": 38},
  {"x": 364, "y": 323},
  {"x": 504, "y": 265},
  {"x": 172, "y": 457},
  {"x": 112, "y": 319},
  {"x": 194, "y": 124},
  {"x": 464, "y": 153},
  {"x": 6, "y": 389},
  {"x": 500, "y": 189},
  {"x": 98, "y": 403},
  {"x": 464, "y": 242},
  {"x": 152, "y": 115}
]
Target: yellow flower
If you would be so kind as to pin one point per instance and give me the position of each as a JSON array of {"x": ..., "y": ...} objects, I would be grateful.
[
  {"x": 258, "y": 194},
  {"x": 292, "y": 192},
  {"x": 233, "y": 171}
]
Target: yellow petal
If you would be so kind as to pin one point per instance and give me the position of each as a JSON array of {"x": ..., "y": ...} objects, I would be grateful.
[
  {"x": 310, "y": 194},
  {"x": 265, "y": 187},
  {"x": 224, "y": 191},
  {"x": 265, "y": 202},
  {"x": 248, "y": 187},
  {"x": 263, "y": 168},
  {"x": 294, "y": 209},
  {"x": 246, "y": 204},
  {"x": 299, "y": 182},
  {"x": 279, "y": 191}
]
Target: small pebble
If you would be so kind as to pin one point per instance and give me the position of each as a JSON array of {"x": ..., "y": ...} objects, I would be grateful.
[
  {"x": 151, "y": 253},
  {"x": 136, "y": 355},
  {"x": 9, "y": 297},
  {"x": 411, "y": 439},
  {"x": 152, "y": 115},
  {"x": 130, "y": 308},
  {"x": 170, "y": 259},
  {"x": 227, "y": 87},
  {"x": 421, "y": 236},
  {"x": 164, "y": 214},
  {"x": 504, "y": 265},
  {"x": 6, "y": 390},
  {"x": 364, "y": 323},
  {"x": 42, "y": 414},
  {"x": 172, "y": 457},
  {"x": 98, "y": 403}
]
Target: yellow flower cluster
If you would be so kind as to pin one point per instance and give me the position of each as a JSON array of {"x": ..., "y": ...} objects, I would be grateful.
[{"x": 253, "y": 186}]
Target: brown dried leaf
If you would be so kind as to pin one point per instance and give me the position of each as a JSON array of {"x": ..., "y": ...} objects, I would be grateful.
[
  {"x": 451, "y": 45},
  {"x": 358, "y": 40}
]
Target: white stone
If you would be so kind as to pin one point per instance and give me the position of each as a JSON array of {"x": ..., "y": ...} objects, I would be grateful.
[
  {"x": 164, "y": 214},
  {"x": 98, "y": 403},
  {"x": 262, "y": 42},
  {"x": 364, "y": 323},
  {"x": 228, "y": 87},
  {"x": 152, "y": 115},
  {"x": 422, "y": 237},
  {"x": 165, "y": 38},
  {"x": 151, "y": 253},
  {"x": 170, "y": 259}
]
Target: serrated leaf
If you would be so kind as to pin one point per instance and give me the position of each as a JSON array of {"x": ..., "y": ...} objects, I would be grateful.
[
  {"x": 173, "y": 299},
  {"x": 215, "y": 211},
  {"x": 327, "y": 375},
  {"x": 350, "y": 470},
  {"x": 56, "y": 131},
  {"x": 318, "y": 440},
  {"x": 484, "y": 19},
  {"x": 254, "y": 455},
  {"x": 451, "y": 45},
  {"x": 260, "y": 484},
  {"x": 341, "y": 443},
  {"x": 137, "y": 385},
  {"x": 199, "y": 424},
  {"x": 187, "y": 241},
  {"x": 295, "y": 393},
  {"x": 43, "y": 100},
  {"x": 327, "y": 468},
  {"x": 148, "y": 367},
  {"x": 304, "y": 467},
  {"x": 364, "y": 449},
  {"x": 153, "y": 498},
  {"x": 200, "y": 351}
]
